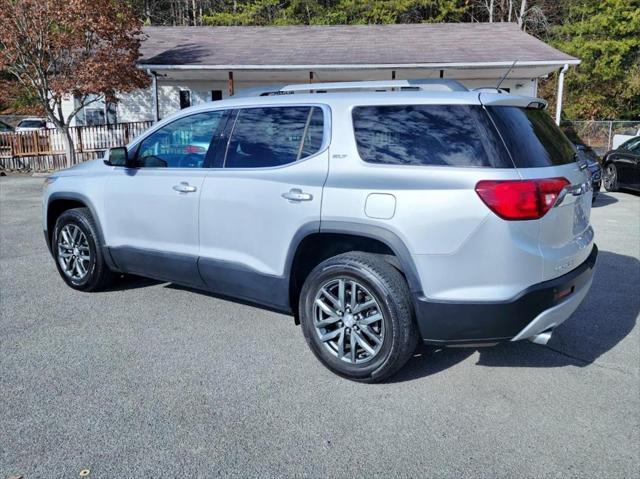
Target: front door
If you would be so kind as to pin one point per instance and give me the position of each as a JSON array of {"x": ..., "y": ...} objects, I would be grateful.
[
  {"x": 264, "y": 193},
  {"x": 151, "y": 209}
]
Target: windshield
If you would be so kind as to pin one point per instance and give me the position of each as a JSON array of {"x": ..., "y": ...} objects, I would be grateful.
[
  {"x": 31, "y": 124},
  {"x": 632, "y": 145}
]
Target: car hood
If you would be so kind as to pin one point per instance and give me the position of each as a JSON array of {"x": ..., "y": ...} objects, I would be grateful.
[{"x": 84, "y": 168}]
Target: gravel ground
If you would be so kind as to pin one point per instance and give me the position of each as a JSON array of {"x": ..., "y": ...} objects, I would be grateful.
[{"x": 153, "y": 380}]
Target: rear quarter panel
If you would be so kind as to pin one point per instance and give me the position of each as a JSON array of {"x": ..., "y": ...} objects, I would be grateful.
[{"x": 461, "y": 250}]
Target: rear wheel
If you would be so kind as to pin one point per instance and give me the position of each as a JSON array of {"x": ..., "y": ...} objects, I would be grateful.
[
  {"x": 356, "y": 316},
  {"x": 610, "y": 177},
  {"x": 79, "y": 258}
]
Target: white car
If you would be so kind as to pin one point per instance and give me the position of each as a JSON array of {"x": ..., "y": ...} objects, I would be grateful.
[
  {"x": 32, "y": 124},
  {"x": 377, "y": 219}
]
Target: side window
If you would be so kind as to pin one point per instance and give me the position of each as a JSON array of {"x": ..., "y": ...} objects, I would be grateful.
[
  {"x": 445, "y": 135},
  {"x": 181, "y": 144},
  {"x": 274, "y": 136}
]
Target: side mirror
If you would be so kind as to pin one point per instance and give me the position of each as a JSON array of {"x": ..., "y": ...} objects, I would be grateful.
[{"x": 117, "y": 157}]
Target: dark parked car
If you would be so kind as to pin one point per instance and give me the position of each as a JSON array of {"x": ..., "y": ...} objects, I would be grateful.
[{"x": 621, "y": 167}]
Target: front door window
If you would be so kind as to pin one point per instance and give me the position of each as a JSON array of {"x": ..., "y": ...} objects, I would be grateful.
[{"x": 183, "y": 143}]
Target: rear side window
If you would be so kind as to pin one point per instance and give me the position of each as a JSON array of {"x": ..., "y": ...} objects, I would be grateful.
[
  {"x": 444, "y": 135},
  {"x": 532, "y": 137},
  {"x": 274, "y": 136}
]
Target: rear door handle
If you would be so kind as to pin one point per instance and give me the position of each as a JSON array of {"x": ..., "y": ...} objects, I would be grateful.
[
  {"x": 184, "y": 187},
  {"x": 296, "y": 195}
]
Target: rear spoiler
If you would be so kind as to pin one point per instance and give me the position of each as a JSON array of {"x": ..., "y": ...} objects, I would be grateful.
[{"x": 501, "y": 99}]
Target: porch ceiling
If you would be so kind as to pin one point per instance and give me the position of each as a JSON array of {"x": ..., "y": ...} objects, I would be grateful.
[{"x": 323, "y": 74}]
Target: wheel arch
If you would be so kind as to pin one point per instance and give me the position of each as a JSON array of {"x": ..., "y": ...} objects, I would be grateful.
[
  {"x": 60, "y": 202},
  {"x": 314, "y": 245},
  {"x": 606, "y": 159}
]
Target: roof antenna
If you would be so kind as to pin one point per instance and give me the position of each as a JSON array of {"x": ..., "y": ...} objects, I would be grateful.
[{"x": 505, "y": 75}]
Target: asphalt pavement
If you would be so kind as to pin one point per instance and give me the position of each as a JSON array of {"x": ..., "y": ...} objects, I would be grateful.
[{"x": 154, "y": 380}]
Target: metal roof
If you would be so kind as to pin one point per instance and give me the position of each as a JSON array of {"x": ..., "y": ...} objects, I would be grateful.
[{"x": 446, "y": 45}]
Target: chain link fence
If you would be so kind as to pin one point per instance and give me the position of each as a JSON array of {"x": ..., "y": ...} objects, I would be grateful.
[{"x": 601, "y": 136}]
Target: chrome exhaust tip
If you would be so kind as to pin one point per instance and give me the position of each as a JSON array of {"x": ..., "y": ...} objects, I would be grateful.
[{"x": 541, "y": 338}]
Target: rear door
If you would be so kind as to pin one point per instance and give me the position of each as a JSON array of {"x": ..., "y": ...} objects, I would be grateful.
[
  {"x": 264, "y": 192},
  {"x": 540, "y": 150}
]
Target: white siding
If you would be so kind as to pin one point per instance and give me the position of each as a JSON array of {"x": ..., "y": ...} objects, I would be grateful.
[
  {"x": 138, "y": 106},
  {"x": 68, "y": 106}
]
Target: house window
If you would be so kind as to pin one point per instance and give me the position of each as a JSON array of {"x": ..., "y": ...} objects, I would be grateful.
[
  {"x": 185, "y": 99},
  {"x": 216, "y": 95},
  {"x": 94, "y": 116}
]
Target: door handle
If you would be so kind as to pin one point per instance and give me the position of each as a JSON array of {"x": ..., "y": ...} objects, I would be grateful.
[
  {"x": 184, "y": 187},
  {"x": 296, "y": 194}
]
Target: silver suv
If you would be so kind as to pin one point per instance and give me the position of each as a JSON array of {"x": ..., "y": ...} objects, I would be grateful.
[{"x": 378, "y": 219}]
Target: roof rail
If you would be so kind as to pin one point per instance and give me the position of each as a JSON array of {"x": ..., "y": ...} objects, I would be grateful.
[
  {"x": 490, "y": 89},
  {"x": 382, "y": 85}
]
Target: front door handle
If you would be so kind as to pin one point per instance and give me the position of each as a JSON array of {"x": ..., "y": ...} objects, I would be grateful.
[
  {"x": 184, "y": 187},
  {"x": 296, "y": 194}
]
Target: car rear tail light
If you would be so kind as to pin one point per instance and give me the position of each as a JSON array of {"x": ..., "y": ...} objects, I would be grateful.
[{"x": 521, "y": 199}]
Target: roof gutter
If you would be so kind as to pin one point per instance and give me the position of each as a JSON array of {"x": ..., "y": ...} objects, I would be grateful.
[{"x": 365, "y": 66}]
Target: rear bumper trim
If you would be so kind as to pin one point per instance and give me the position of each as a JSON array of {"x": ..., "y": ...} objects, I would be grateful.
[
  {"x": 555, "y": 316},
  {"x": 462, "y": 322}
]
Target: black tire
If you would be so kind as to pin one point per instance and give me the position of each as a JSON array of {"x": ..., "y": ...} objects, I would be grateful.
[
  {"x": 98, "y": 275},
  {"x": 389, "y": 288},
  {"x": 610, "y": 177}
]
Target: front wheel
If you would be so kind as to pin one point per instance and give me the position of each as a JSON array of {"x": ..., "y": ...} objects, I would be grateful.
[
  {"x": 357, "y": 318},
  {"x": 610, "y": 177},
  {"x": 77, "y": 251}
]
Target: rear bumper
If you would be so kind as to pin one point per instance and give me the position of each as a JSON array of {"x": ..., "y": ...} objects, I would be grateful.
[{"x": 534, "y": 310}]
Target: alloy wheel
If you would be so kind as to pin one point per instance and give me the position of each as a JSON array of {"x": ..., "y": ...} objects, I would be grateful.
[
  {"x": 348, "y": 320},
  {"x": 74, "y": 254},
  {"x": 609, "y": 177}
]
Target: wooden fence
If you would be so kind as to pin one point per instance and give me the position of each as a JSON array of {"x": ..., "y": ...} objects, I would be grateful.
[{"x": 44, "y": 150}]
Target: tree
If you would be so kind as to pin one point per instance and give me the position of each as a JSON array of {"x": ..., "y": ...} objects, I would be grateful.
[
  {"x": 83, "y": 48},
  {"x": 327, "y": 12},
  {"x": 605, "y": 35},
  {"x": 16, "y": 99}
]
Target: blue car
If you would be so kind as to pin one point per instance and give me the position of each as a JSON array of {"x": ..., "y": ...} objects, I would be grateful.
[{"x": 586, "y": 154}]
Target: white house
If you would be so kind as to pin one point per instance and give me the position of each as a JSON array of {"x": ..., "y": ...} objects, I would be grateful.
[{"x": 191, "y": 65}]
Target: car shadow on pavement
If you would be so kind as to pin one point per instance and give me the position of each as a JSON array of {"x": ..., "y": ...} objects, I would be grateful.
[
  {"x": 130, "y": 281},
  {"x": 606, "y": 316},
  {"x": 604, "y": 199}
]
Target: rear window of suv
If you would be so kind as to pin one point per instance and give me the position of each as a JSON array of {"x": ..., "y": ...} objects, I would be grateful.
[
  {"x": 445, "y": 135},
  {"x": 532, "y": 137},
  {"x": 32, "y": 124}
]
